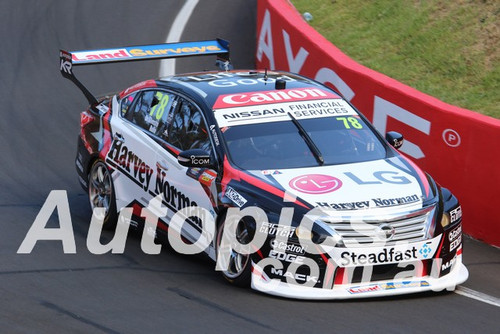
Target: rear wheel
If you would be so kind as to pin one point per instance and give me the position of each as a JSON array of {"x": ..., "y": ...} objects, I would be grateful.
[
  {"x": 102, "y": 194},
  {"x": 239, "y": 269}
]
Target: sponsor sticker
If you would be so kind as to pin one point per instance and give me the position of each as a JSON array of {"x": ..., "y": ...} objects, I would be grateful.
[
  {"x": 235, "y": 197},
  {"x": 455, "y": 233},
  {"x": 372, "y": 203},
  {"x": 387, "y": 286},
  {"x": 292, "y": 258},
  {"x": 130, "y": 163},
  {"x": 288, "y": 247},
  {"x": 272, "y": 96},
  {"x": 425, "y": 251},
  {"x": 136, "y": 87},
  {"x": 278, "y": 112},
  {"x": 449, "y": 264},
  {"x": 106, "y": 55},
  {"x": 224, "y": 82},
  {"x": 455, "y": 237},
  {"x": 315, "y": 184},
  {"x": 271, "y": 172},
  {"x": 456, "y": 214},
  {"x": 354, "y": 256},
  {"x": 455, "y": 243},
  {"x": 214, "y": 135},
  {"x": 277, "y": 230},
  {"x": 302, "y": 278},
  {"x": 146, "y": 51},
  {"x": 207, "y": 177}
]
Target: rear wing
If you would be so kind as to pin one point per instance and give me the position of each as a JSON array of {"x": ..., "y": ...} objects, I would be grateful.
[{"x": 218, "y": 47}]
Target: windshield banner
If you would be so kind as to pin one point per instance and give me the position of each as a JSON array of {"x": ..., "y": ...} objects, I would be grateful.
[{"x": 279, "y": 112}]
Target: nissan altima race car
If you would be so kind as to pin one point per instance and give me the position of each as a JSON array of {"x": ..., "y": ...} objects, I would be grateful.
[{"x": 294, "y": 192}]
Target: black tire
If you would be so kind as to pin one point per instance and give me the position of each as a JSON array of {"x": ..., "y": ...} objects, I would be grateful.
[
  {"x": 102, "y": 193},
  {"x": 239, "y": 271}
]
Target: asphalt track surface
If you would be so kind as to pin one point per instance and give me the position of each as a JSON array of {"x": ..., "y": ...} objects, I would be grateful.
[{"x": 51, "y": 292}]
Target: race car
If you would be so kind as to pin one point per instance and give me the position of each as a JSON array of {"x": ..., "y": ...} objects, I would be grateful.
[{"x": 276, "y": 177}]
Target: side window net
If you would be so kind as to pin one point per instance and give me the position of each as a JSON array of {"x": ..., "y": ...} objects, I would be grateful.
[{"x": 188, "y": 129}]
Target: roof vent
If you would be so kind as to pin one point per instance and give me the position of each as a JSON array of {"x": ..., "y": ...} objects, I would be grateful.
[{"x": 280, "y": 84}]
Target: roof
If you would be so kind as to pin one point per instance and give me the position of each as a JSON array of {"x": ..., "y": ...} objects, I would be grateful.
[{"x": 209, "y": 85}]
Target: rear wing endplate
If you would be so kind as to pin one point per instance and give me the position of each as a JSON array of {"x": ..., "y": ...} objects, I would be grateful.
[{"x": 218, "y": 47}]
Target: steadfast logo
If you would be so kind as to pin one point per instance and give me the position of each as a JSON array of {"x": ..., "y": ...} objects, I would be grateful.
[
  {"x": 390, "y": 255},
  {"x": 362, "y": 256}
]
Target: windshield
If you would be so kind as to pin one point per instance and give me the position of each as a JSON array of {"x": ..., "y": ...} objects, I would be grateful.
[{"x": 279, "y": 145}]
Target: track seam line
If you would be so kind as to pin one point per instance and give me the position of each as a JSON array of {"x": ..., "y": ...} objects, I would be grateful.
[{"x": 482, "y": 297}]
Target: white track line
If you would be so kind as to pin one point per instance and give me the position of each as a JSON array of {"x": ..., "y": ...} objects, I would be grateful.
[
  {"x": 167, "y": 66},
  {"x": 461, "y": 290}
]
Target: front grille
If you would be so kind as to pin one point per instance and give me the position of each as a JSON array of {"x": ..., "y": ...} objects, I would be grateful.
[{"x": 407, "y": 227}]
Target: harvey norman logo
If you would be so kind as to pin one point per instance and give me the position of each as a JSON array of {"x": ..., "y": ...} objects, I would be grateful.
[{"x": 272, "y": 96}]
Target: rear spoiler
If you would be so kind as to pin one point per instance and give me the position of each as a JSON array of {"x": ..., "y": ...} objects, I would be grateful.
[{"x": 219, "y": 47}]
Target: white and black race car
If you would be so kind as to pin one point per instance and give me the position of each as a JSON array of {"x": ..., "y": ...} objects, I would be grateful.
[{"x": 275, "y": 176}]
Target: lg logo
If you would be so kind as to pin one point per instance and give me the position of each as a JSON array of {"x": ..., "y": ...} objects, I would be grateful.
[{"x": 315, "y": 184}]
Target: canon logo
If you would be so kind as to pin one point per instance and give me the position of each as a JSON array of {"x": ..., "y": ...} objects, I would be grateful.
[{"x": 266, "y": 97}]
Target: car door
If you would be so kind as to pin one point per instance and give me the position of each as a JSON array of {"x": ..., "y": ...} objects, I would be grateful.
[
  {"x": 182, "y": 186},
  {"x": 133, "y": 150}
]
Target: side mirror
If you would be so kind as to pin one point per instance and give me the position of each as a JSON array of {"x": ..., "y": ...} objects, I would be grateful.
[
  {"x": 395, "y": 139},
  {"x": 195, "y": 158}
]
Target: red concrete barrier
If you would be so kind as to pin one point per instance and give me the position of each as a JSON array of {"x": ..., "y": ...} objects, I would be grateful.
[{"x": 458, "y": 147}]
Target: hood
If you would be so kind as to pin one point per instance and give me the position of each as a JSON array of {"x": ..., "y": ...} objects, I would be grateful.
[{"x": 387, "y": 185}]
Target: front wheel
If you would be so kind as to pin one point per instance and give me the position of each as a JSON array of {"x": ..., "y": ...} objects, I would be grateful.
[
  {"x": 239, "y": 269},
  {"x": 101, "y": 193}
]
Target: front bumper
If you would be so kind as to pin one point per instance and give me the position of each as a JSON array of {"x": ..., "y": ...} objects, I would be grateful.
[{"x": 457, "y": 275}]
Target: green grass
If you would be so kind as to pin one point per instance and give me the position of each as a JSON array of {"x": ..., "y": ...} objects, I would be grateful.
[{"x": 447, "y": 49}]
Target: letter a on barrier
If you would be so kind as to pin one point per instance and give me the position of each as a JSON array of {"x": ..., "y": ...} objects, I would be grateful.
[
  {"x": 57, "y": 199},
  {"x": 266, "y": 48}
]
